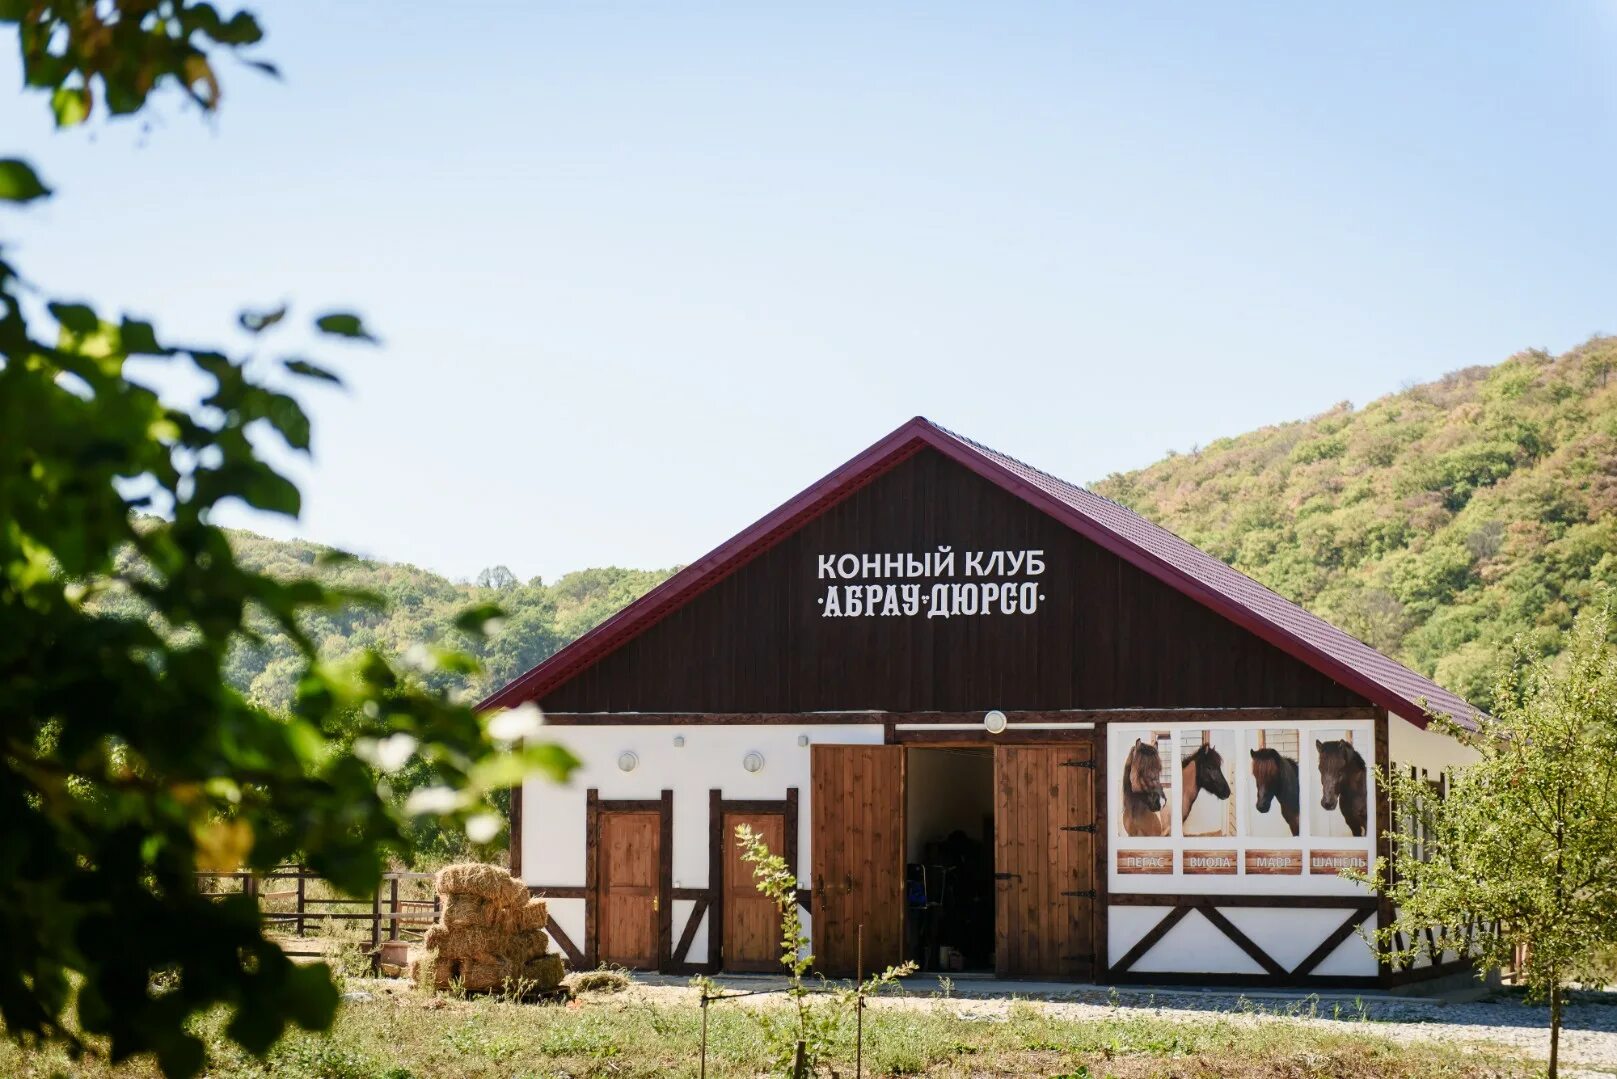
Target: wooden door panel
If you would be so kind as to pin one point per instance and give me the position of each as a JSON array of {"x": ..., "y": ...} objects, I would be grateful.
[
  {"x": 1044, "y": 860},
  {"x": 751, "y": 919},
  {"x": 628, "y": 850},
  {"x": 858, "y": 852}
]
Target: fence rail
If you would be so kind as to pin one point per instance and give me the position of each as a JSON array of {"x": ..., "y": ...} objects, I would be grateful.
[{"x": 392, "y": 915}]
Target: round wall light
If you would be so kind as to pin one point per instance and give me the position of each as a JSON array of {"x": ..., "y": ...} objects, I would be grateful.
[
  {"x": 679, "y": 741},
  {"x": 628, "y": 761},
  {"x": 753, "y": 761},
  {"x": 802, "y": 739},
  {"x": 995, "y": 722}
]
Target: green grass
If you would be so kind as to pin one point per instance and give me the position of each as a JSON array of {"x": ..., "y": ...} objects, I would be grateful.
[{"x": 406, "y": 1035}]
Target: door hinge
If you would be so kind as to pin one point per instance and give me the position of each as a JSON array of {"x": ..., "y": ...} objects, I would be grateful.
[
  {"x": 1007, "y": 876},
  {"x": 1090, "y": 828},
  {"x": 1079, "y": 764},
  {"x": 1082, "y": 893}
]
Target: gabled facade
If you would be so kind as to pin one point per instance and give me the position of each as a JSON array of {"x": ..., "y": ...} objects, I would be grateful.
[{"x": 992, "y": 718}]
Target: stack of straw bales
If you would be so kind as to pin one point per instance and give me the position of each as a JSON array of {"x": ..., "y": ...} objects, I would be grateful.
[{"x": 491, "y": 935}]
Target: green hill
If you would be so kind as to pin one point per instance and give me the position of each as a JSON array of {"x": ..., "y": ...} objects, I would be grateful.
[
  {"x": 421, "y": 607},
  {"x": 1435, "y": 523}
]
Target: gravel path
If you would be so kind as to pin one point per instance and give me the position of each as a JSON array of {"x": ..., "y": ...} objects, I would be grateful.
[{"x": 1588, "y": 1039}]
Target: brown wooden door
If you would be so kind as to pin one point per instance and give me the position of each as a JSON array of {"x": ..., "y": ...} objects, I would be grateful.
[
  {"x": 627, "y": 898},
  {"x": 751, "y": 919},
  {"x": 1044, "y": 906},
  {"x": 858, "y": 807}
]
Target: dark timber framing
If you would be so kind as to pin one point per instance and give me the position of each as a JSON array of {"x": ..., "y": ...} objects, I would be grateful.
[
  {"x": 1071, "y": 715},
  {"x": 1359, "y": 908}
]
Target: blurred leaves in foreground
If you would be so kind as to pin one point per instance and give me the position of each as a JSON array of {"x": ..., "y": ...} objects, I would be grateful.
[{"x": 127, "y": 759}]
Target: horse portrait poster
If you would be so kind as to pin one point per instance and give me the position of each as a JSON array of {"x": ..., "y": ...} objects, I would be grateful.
[
  {"x": 1253, "y": 807},
  {"x": 1147, "y": 786},
  {"x": 1274, "y": 756},
  {"x": 1207, "y": 761},
  {"x": 1342, "y": 806}
]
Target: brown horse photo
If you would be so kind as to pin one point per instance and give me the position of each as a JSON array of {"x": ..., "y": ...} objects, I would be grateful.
[
  {"x": 1202, "y": 770},
  {"x": 1343, "y": 781},
  {"x": 1145, "y": 803},
  {"x": 1275, "y": 776}
]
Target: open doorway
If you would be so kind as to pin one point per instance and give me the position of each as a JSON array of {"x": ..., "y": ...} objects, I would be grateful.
[{"x": 949, "y": 859}]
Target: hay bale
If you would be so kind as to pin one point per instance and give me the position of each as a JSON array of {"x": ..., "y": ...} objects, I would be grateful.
[
  {"x": 544, "y": 972},
  {"x": 491, "y": 934},
  {"x": 533, "y": 914},
  {"x": 485, "y": 975},
  {"x": 525, "y": 945},
  {"x": 472, "y": 942},
  {"x": 465, "y": 909},
  {"x": 431, "y": 969},
  {"x": 515, "y": 895},
  {"x": 602, "y": 980},
  {"x": 473, "y": 878}
]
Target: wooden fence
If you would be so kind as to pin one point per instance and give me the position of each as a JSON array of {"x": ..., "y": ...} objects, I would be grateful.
[{"x": 289, "y": 904}]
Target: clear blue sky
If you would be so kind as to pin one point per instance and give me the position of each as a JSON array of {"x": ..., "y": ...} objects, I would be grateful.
[{"x": 644, "y": 272}]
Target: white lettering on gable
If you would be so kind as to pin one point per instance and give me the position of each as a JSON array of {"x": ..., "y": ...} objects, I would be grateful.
[{"x": 1005, "y": 583}]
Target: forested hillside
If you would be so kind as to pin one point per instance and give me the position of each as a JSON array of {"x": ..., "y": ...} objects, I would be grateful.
[
  {"x": 420, "y": 608},
  {"x": 1435, "y": 523}
]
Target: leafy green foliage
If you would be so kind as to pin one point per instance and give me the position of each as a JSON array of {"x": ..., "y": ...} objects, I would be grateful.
[
  {"x": 128, "y": 762},
  {"x": 1435, "y": 524},
  {"x": 81, "y": 51},
  {"x": 1527, "y": 837},
  {"x": 19, "y": 182}
]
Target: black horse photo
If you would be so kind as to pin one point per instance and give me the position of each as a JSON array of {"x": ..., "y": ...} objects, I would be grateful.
[
  {"x": 1343, "y": 782},
  {"x": 1203, "y": 770},
  {"x": 1275, "y": 775}
]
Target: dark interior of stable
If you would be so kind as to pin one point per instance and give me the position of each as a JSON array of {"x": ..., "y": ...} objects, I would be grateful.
[{"x": 949, "y": 859}]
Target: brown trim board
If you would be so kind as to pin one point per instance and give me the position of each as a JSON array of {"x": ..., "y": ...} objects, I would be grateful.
[
  {"x": 1090, "y": 715},
  {"x": 515, "y": 836},
  {"x": 592, "y": 898},
  {"x": 575, "y": 958},
  {"x": 1385, "y": 826}
]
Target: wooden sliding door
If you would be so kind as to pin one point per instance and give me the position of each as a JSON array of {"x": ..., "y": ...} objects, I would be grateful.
[
  {"x": 858, "y": 852},
  {"x": 1044, "y": 860}
]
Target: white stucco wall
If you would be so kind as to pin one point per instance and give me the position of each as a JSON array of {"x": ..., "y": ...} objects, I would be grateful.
[
  {"x": 553, "y": 846},
  {"x": 1423, "y": 747}
]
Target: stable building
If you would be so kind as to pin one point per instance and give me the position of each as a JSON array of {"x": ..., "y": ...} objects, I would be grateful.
[{"x": 996, "y": 723}]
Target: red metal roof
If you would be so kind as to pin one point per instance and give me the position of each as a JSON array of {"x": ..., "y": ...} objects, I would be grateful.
[{"x": 1125, "y": 533}]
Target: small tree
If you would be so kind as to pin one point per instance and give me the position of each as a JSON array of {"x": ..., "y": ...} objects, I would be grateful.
[
  {"x": 807, "y": 1028},
  {"x": 1526, "y": 839}
]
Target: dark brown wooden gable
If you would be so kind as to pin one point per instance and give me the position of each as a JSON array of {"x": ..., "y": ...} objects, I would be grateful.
[{"x": 1106, "y": 635}]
